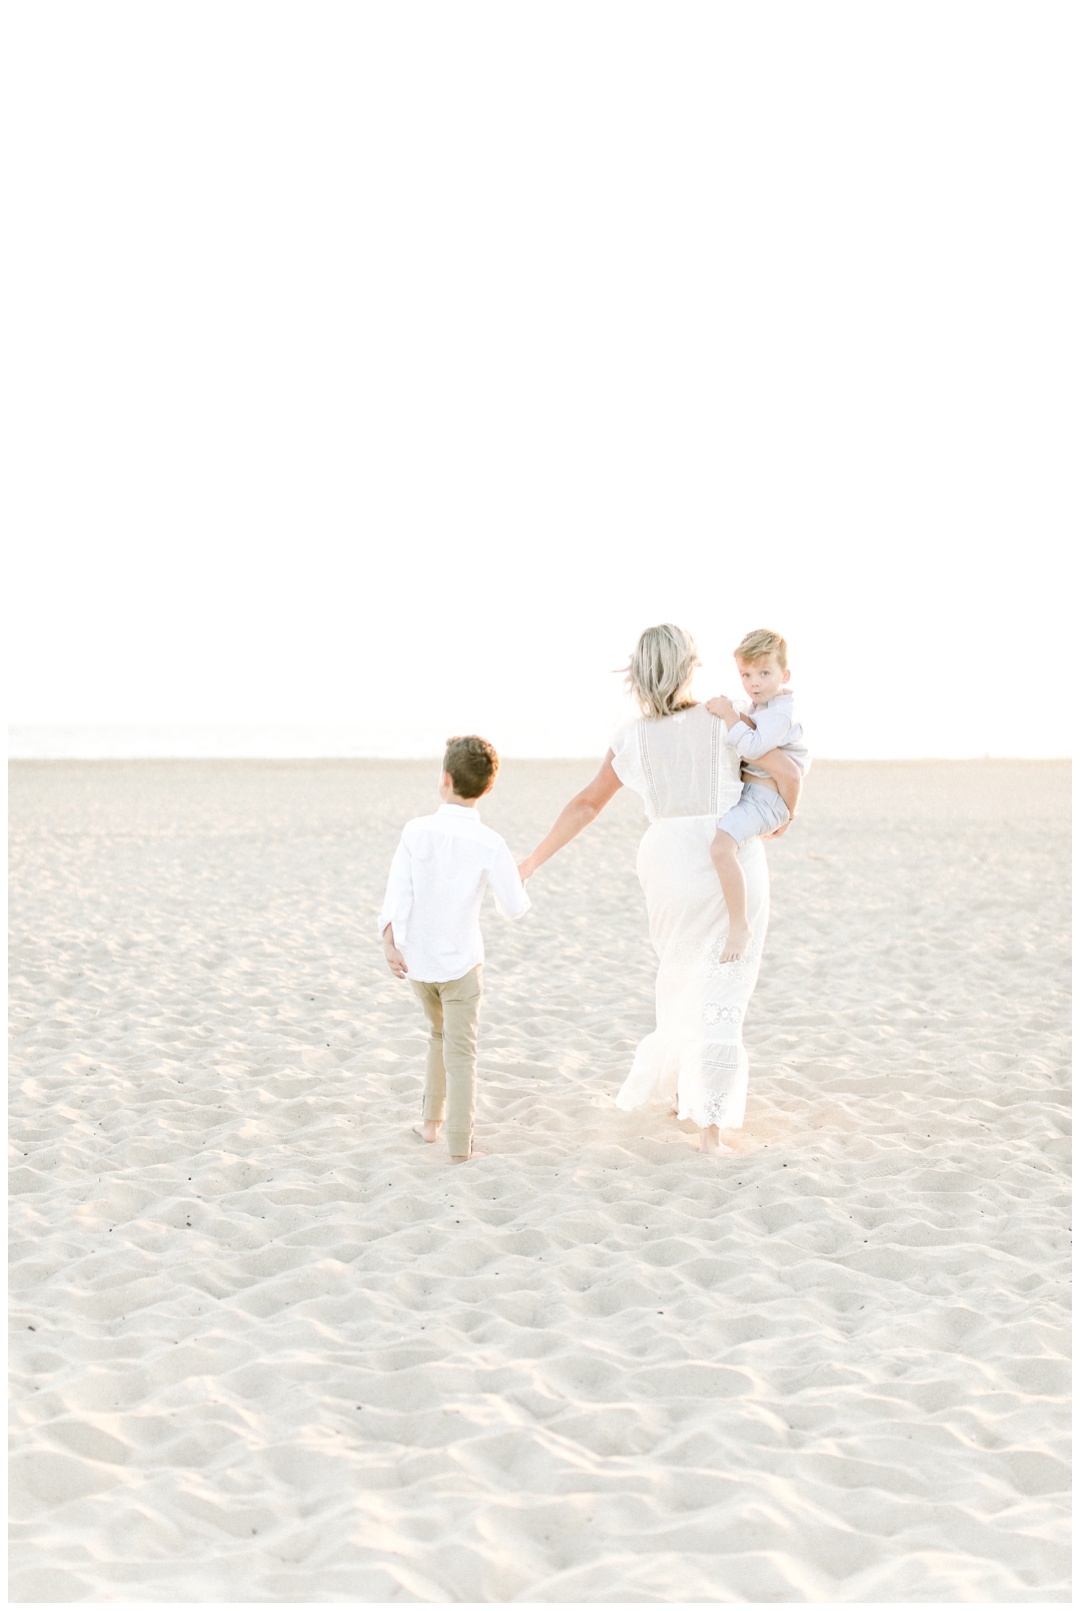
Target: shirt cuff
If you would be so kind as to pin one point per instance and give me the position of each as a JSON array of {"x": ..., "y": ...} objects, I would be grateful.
[
  {"x": 398, "y": 920},
  {"x": 517, "y": 909}
]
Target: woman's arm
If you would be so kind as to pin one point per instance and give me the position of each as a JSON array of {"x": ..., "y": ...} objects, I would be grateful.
[
  {"x": 575, "y": 815},
  {"x": 787, "y": 777}
]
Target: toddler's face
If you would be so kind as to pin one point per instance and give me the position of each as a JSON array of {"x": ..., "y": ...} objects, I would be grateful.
[{"x": 762, "y": 679}]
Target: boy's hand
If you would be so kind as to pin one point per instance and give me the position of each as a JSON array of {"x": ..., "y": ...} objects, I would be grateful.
[
  {"x": 721, "y": 706},
  {"x": 394, "y": 959}
]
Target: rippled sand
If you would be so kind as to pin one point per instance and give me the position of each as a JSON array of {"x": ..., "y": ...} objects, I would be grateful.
[{"x": 269, "y": 1347}]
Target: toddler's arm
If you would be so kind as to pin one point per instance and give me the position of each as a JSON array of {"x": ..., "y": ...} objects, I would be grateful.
[
  {"x": 768, "y": 731},
  {"x": 722, "y": 707}
]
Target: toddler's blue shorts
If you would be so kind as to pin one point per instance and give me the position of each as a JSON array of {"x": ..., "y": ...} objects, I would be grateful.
[{"x": 757, "y": 811}]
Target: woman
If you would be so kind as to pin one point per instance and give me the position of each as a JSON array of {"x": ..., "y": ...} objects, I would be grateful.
[{"x": 675, "y": 758}]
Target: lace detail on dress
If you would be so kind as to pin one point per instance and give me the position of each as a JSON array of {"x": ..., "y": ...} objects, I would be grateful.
[
  {"x": 715, "y": 1107},
  {"x": 680, "y": 766},
  {"x": 714, "y": 799},
  {"x": 714, "y": 1013},
  {"x": 652, "y": 805}
]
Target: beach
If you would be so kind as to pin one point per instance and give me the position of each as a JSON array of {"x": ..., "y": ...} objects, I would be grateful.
[{"x": 268, "y": 1346}]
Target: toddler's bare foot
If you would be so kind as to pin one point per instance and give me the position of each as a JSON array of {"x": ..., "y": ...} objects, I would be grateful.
[
  {"x": 737, "y": 942},
  {"x": 428, "y": 1131},
  {"x": 710, "y": 1140},
  {"x": 473, "y": 1154}
]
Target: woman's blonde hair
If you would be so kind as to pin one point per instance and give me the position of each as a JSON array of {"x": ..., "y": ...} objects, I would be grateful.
[{"x": 661, "y": 667}]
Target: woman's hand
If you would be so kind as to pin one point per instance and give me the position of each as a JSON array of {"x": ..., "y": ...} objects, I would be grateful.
[{"x": 788, "y": 779}]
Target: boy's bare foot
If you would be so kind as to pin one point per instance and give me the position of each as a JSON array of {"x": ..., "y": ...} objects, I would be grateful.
[
  {"x": 428, "y": 1130},
  {"x": 473, "y": 1154},
  {"x": 710, "y": 1141},
  {"x": 737, "y": 942}
]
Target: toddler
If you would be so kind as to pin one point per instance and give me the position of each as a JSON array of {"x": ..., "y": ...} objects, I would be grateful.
[{"x": 772, "y": 785}]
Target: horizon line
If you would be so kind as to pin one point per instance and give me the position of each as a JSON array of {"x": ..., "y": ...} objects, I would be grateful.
[
  {"x": 434, "y": 757},
  {"x": 70, "y": 741}
]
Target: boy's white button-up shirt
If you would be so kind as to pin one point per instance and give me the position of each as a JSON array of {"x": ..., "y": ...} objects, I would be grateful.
[{"x": 436, "y": 886}]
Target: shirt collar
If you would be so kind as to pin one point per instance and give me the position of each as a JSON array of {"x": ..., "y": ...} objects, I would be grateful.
[{"x": 457, "y": 811}]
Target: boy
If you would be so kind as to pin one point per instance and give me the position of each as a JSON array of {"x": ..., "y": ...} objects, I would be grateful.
[
  {"x": 767, "y": 803},
  {"x": 430, "y": 924}
]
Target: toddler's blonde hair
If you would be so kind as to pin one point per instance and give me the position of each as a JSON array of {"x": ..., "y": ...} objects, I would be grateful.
[
  {"x": 761, "y": 644},
  {"x": 661, "y": 668}
]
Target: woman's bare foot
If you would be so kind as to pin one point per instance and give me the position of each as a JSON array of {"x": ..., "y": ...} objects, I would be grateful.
[
  {"x": 710, "y": 1140},
  {"x": 428, "y": 1130},
  {"x": 736, "y": 943}
]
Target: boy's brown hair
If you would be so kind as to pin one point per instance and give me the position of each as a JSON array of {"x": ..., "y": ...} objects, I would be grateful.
[
  {"x": 761, "y": 644},
  {"x": 472, "y": 764}
]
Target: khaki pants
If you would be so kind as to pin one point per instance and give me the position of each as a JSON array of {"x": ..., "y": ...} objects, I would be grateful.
[{"x": 453, "y": 1012}]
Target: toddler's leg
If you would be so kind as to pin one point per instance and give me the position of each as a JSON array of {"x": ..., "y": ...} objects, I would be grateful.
[
  {"x": 725, "y": 857},
  {"x": 435, "y": 1072},
  {"x": 461, "y": 1016}
]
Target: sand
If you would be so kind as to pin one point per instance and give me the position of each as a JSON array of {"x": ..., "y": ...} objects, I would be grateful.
[{"x": 267, "y": 1346}]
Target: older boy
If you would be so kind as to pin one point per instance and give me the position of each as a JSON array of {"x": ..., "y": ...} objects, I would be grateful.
[
  {"x": 430, "y": 924},
  {"x": 767, "y": 803}
]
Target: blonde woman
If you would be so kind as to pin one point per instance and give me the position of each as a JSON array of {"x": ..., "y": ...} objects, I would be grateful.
[{"x": 674, "y": 757}]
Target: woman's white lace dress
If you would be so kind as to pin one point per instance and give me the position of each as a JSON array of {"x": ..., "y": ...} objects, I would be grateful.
[{"x": 688, "y": 778}]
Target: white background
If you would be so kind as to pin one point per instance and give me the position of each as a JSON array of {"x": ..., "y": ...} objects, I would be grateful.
[{"x": 392, "y": 365}]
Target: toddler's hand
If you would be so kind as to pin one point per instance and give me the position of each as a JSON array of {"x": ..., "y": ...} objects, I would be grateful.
[{"x": 721, "y": 706}]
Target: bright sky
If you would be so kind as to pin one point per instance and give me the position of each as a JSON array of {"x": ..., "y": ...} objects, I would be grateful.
[{"x": 394, "y": 364}]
